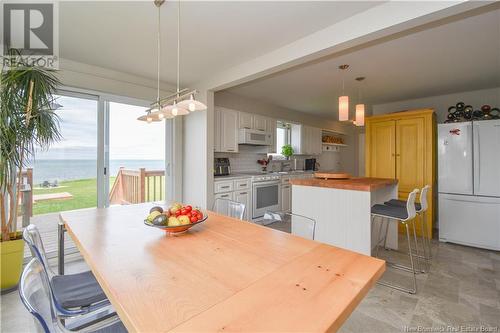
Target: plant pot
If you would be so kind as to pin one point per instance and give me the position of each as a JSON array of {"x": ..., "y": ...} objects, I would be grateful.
[{"x": 12, "y": 262}]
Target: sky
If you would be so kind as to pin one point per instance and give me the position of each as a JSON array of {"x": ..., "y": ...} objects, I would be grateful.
[{"x": 129, "y": 138}]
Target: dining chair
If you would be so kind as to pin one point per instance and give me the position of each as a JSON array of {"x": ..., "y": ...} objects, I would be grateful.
[
  {"x": 229, "y": 208},
  {"x": 73, "y": 294},
  {"x": 295, "y": 224},
  {"x": 35, "y": 295}
]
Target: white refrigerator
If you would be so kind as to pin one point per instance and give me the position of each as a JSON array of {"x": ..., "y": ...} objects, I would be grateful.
[{"x": 469, "y": 183}]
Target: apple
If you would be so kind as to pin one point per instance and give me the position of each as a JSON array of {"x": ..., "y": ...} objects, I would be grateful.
[
  {"x": 184, "y": 219},
  {"x": 173, "y": 221}
]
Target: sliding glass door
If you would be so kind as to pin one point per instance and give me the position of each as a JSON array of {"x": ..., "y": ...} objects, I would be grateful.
[
  {"x": 65, "y": 176},
  {"x": 105, "y": 157},
  {"x": 136, "y": 156}
]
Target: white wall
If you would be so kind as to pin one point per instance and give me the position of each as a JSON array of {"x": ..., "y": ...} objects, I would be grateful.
[
  {"x": 198, "y": 153},
  {"x": 89, "y": 77},
  {"x": 440, "y": 104}
]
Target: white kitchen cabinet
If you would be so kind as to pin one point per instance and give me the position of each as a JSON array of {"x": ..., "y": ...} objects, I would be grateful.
[
  {"x": 246, "y": 120},
  {"x": 245, "y": 198},
  {"x": 238, "y": 190},
  {"x": 217, "y": 144},
  {"x": 259, "y": 123},
  {"x": 252, "y": 121},
  {"x": 271, "y": 129},
  {"x": 306, "y": 140},
  {"x": 286, "y": 198},
  {"x": 228, "y": 196},
  {"x": 226, "y": 128}
]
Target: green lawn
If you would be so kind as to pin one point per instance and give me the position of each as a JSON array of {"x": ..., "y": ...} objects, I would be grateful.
[{"x": 84, "y": 193}]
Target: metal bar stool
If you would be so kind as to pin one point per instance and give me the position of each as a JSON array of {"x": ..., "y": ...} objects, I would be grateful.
[
  {"x": 421, "y": 209},
  {"x": 404, "y": 215}
]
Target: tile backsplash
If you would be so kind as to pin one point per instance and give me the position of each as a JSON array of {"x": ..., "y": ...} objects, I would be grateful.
[{"x": 246, "y": 160}]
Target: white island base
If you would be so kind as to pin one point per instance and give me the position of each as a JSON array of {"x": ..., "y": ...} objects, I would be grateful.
[{"x": 343, "y": 216}]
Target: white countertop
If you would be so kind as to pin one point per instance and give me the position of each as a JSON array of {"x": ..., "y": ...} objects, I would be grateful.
[{"x": 239, "y": 175}]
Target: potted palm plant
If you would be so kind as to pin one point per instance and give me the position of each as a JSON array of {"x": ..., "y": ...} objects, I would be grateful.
[{"x": 27, "y": 121}]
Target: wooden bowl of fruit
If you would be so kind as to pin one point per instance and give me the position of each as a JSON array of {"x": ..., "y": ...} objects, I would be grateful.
[{"x": 175, "y": 219}]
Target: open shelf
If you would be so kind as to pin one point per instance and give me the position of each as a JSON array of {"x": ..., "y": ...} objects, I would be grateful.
[
  {"x": 334, "y": 144},
  {"x": 324, "y": 130}
]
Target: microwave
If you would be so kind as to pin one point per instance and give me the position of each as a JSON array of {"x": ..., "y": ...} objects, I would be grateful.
[{"x": 254, "y": 137}]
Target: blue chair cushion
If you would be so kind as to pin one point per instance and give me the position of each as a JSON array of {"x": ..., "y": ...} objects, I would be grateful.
[
  {"x": 115, "y": 328},
  {"x": 402, "y": 203},
  {"x": 77, "y": 290},
  {"x": 390, "y": 211}
]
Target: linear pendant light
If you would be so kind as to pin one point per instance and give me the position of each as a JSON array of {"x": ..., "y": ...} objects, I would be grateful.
[
  {"x": 344, "y": 99},
  {"x": 360, "y": 108},
  {"x": 182, "y": 101},
  {"x": 154, "y": 113}
]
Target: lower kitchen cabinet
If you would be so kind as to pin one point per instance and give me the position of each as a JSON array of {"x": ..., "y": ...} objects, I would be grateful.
[
  {"x": 228, "y": 196},
  {"x": 244, "y": 197},
  {"x": 238, "y": 190}
]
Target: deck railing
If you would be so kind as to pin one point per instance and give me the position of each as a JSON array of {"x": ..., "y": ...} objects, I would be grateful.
[
  {"x": 136, "y": 186},
  {"x": 27, "y": 200}
]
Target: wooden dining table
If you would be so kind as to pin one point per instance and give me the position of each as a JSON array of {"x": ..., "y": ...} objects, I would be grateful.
[{"x": 222, "y": 275}]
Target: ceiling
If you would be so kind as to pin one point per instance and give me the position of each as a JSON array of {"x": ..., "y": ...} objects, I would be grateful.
[
  {"x": 214, "y": 35},
  {"x": 461, "y": 55}
]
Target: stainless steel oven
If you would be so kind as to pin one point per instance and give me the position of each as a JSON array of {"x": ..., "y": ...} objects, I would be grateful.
[{"x": 265, "y": 195}]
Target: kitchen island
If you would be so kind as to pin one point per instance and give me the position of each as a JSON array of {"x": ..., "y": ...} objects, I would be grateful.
[{"x": 341, "y": 209}]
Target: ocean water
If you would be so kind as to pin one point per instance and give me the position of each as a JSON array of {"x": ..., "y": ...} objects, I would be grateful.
[{"x": 61, "y": 170}]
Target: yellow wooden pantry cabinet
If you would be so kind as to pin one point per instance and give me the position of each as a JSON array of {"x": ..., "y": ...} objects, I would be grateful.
[{"x": 402, "y": 145}]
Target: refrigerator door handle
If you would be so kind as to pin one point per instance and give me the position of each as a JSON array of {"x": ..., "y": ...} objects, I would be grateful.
[{"x": 476, "y": 156}]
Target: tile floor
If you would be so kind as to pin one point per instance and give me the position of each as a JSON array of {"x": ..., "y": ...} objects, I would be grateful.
[{"x": 461, "y": 291}]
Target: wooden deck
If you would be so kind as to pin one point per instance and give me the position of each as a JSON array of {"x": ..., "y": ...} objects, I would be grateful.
[{"x": 47, "y": 225}]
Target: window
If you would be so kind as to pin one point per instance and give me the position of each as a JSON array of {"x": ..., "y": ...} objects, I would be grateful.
[{"x": 282, "y": 135}]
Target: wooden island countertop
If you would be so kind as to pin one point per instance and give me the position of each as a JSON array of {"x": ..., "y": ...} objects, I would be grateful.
[
  {"x": 355, "y": 183},
  {"x": 221, "y": 275}
]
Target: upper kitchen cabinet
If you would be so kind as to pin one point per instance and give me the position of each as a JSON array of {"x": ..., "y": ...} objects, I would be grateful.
[
  {"x": 259, "y": 123},
  {"x": 252, "y": 121},
  {"x": 271, "y": 129},
  {"x": 226, "y": 130},
  {"x": 246, "y": 120},
  {"x": 306, "y": 140}
]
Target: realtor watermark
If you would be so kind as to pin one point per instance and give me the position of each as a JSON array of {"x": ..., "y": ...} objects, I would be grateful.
[
  {"x": 30, "y": 34},
  {"x": 451, "y": 328}
]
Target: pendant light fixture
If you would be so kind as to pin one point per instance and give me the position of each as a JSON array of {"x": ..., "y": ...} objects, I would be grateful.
[
  {"x": 176, "y": 104},
  {"x": 344, "y": 99},
  {"x": 360, "y": 108}
]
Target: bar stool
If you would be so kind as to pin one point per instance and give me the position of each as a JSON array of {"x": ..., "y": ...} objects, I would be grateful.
[
  {"x": 405, "y": 216},
  {"x": 420, "y": 208}
]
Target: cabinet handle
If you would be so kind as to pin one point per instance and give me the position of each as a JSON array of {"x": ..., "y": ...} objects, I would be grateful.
[
  {"x": 243, "y": 184},
  {"x": 224, "y": 187},
  {"x": 243, "y": 192},
  {"x": 246, "y": 127},
  {"x": 230, "y": 150},
  {"x": 224, "y": 196}
]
